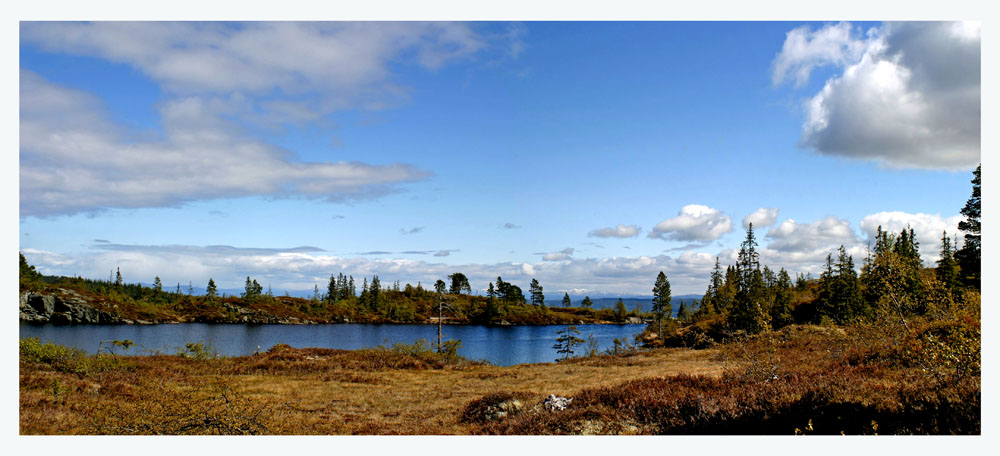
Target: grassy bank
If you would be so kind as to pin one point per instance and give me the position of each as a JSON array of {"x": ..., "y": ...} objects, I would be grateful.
[{"x": 804, "y": 379}]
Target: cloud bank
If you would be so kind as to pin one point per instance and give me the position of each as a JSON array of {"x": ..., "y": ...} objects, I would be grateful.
[{"x": 618, "y": 231}]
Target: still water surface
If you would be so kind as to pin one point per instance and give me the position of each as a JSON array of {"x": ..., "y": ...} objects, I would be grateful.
[{"x": 504, "y": 346}]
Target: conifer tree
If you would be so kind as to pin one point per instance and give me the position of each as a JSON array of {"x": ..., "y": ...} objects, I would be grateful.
[
  {"x": 535, "y": 289},
  {"x": 781, "y": 311},
  {"x": 620, "y": 311},
  {"x": 211, "y": 290},
  {"x": 587, "y": 303},
  {"x": 748, "y": 312},
  {"x": 459, "y": 283},
  {"x": 969, "y": 257},
  {"x": 118, "y": 277},
  {"x": 157, "y": 284},
  {"x": 947, "y": 267},
  {"x": 661, "y": 301},
  {"x": 566, "y": 302},
  {"x": 332, "y": 292}
]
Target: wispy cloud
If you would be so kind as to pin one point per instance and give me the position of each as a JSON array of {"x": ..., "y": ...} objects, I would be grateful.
[
  {"x": 509, "y": 226},
  {"x": 618, "y": 231},
  {"x": 413, "y": 230}
]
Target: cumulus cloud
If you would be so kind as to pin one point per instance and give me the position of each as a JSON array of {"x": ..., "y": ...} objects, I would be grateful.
[
  {"x": 761, "y": 218},
  {"x": 911, "y": 99},
  {"x": 828, "y": 233},
  {"x": 72, "y": 159},
  {"x": 618, "y": 231},
  {"x": 694, "y": 222},
  {"x": 927, "y": 228}
]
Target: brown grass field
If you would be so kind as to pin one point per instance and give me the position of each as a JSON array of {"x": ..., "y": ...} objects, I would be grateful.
[{"x": 801, "y": 380}]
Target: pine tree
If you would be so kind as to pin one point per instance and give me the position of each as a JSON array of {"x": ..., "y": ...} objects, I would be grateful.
[
  {"x": 157, "y": 284},
  {"x": 535, "y": 289},
  {"x": 969, "y": 257},
  {"x": 459, "y": 283},
  {"x": 440, "y": 286},
  {"x": 661, "y": 301},
  {"x": 587, "y": 303},
  {"x": 620, "y": 311},
  {"x": 118, "y": 277},
  {"x": 566, "y": 341},
  {"x": 566, "y": 302}
]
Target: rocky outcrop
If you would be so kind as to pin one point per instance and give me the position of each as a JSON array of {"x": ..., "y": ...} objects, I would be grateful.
[{"x": 62, "y": 307}]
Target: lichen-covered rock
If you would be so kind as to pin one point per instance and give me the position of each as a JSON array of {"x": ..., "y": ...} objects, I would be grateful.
[{"x": 556, "y": 403}]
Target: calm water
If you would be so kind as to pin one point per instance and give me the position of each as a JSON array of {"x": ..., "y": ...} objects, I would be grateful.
[{"x": 499, "y": 345}]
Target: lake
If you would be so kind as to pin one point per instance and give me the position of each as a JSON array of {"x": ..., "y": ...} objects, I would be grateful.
[{"x": 500, "y": 345}]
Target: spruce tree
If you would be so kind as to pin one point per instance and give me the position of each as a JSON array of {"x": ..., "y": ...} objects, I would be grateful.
[
  {"x": 211, "y": 290},
  {"x": 587, "y": 303},
  {"x": 970, "y": 255},
  {"x": 748, "y": 312},
  {"x": 566, "y": 302},
  {"x": 947, "y": 267}
]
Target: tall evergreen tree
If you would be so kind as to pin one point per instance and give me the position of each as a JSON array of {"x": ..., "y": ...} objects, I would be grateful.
[
  {"x": 211, "y": 290},
  {"x": 748, "y": 312},
  {"x": 947, "y": 267},
  {"x": 157, "y": 284},
  {"x": 587, "y": 303},
  {"x": 440, "y": 286},
  {"x": 781, "y": 311},
  {"x": 661, "y": 301},
  {"x": 566, "y": 302},
  {"x": 970, "y": 255},
  {"x": 535, "y": 289},
  {"x": 332, "y": 292},
  {"x": 118, "y": 276}
]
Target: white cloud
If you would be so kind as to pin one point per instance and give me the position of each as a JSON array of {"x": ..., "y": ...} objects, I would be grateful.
[
  {"x": 72, "y": 159},
  {"x": 618, "y": 231},
  {"x": 805, "y": 50},
  {"x": 561, "y": 255},
  {"x": 926, "y": 227},
  {"x": 761, "y": 218},
  {"x": 340, "y": 63},
  {"x": 694, "y": 222},
  {"x": 911, "y": 99},
  {"x": 292, "y": 269},
  {"x": 826, "y": 234}
]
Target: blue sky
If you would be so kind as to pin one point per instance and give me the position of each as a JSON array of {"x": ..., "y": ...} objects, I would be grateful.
[{"x": 588, "y": 155}]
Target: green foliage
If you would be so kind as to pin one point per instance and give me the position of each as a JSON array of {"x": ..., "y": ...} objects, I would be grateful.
[
  {"x": 459, "y": 284},
  {"x": 749, "y": 311},
  {"x": 535, "y": 290},
  {"x": 840, "y": 296},
  {"x": 620, "y": 311},
  {"x": 29, "y": 278},
  {"x": 566, "y": 302},
  {"x": 566, "y": 341},
  {"x": 970, "y": 255},
  {"x": 587, "y": 303},
  {"x": 198, "y": 351},
  {"x": 661, "y": 298},
  {"x": 66, "y": 359}
]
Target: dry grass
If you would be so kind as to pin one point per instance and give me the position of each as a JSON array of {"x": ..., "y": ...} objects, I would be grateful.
[
  {"x": 309, "y": 391},
  {"x": 803, "y": 379}
]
